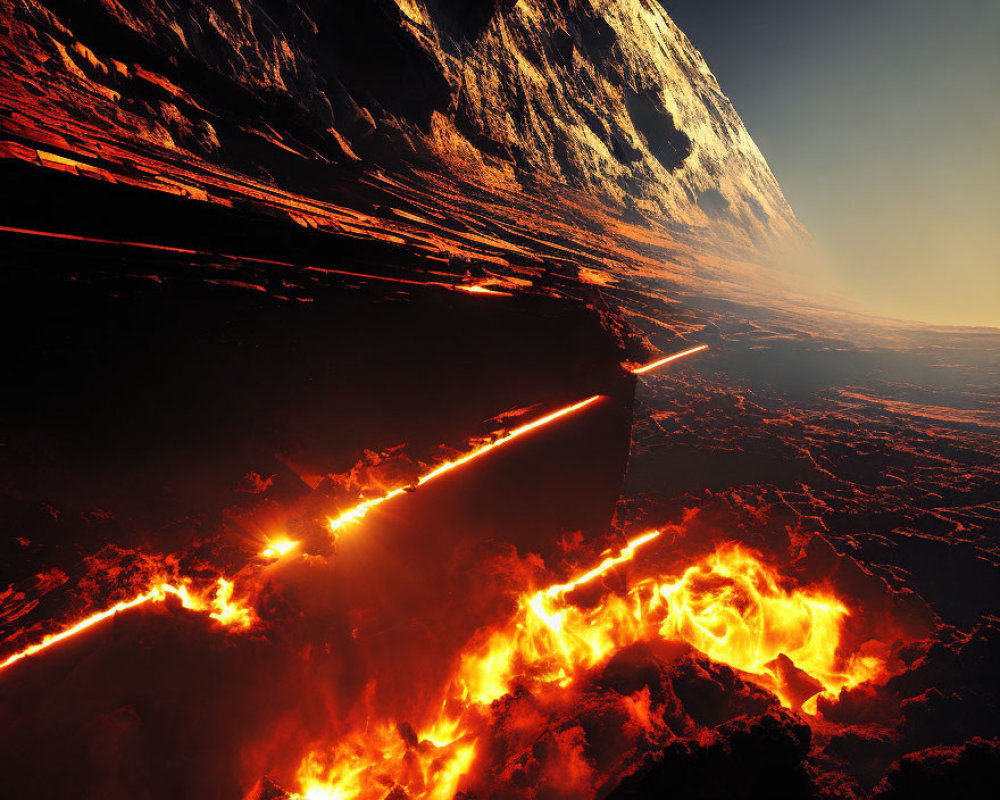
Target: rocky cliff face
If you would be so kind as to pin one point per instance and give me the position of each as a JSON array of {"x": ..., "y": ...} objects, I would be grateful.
[{"x": 607, "y": 97}]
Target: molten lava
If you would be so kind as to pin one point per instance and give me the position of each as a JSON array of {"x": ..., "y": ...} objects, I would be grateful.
[
  {"x": 359, "y": 511},
  {"x": 661, "y": 361},
  {"x": 365, "y": 765},
  {"x": 730, "y": 605},
  {"x": 220, "y": 606}
]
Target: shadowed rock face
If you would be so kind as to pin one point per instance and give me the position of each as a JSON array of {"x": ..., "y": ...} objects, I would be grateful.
[
  {"x": 469, "y": 19},
  {"x": 657, "y": 130}
]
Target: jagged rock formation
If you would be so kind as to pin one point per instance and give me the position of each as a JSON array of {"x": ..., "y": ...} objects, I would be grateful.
[{"x": 607, "y": 97}]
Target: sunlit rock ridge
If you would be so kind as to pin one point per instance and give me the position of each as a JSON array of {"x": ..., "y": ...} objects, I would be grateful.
[{"x": 607, "y": 97}]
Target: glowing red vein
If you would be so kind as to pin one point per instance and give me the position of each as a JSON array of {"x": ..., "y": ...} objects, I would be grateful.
[
  {"x": 660, "y": 362},
  {"x": 359, "y": 511}
]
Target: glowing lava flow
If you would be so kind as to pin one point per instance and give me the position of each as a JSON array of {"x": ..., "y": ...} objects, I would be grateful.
[
  {"x": 660, "y": 362},
  {"x": 221, "y": 607},
  {"x": 359, "y": 511},
  {"x": 729, "y": 604},
  {"x": 226, "y": 612}
]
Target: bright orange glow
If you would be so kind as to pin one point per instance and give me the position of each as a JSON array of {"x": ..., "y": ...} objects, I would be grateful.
[
  {"x": 627, "y": 553},
  {"x": 730, "y": 605},
  {"x": 224, "y": 610},
  {"x": 278, "y": 548},
  {"x": 481, "y": 289},
  {"x": 363, "y": 765},
  {"x": 675, "y": 357},
  {"x": 733, "y": 608},
  {"x": 358, "y": 512},
  {"x": 220, "y": 606},
  {"x": 81, "y": 626},
  {"x": 551, "y": 640}
]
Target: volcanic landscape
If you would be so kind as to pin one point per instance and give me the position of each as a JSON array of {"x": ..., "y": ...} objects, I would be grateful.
[{"x": 404, "y": 401}]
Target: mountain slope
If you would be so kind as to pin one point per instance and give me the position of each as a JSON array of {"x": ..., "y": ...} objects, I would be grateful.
[{"x": 609, "y": 98}]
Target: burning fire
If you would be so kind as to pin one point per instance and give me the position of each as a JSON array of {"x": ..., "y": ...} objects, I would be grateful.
[
  {"x": 224, "y": 610},
  {"x": 220, "y": 606},
  {"x": 730, "y": 605},
  {"x": 367, "y": 765}
]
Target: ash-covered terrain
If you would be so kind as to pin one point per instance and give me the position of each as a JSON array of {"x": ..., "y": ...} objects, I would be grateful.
[{"x": 325, "y": 333}]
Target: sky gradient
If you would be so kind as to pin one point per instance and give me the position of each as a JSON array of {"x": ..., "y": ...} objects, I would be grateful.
[{"x": 881, "y": 121}]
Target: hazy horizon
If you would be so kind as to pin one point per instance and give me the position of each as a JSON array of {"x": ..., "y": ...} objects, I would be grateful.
[{"x": 881, "y": 122}]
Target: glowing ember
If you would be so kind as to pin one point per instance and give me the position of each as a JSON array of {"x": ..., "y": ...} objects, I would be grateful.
[
  {"x": 359, "y": 511},
  {"x": 675, "y": 357},
  {"x": 220, "y": 606},
  {"x": 479, "y": 288},
  {"x": 729, "y": 605},
  {"x": 627, "y": 554},
  {"x": 733, "y": 608},
  {"x": 277, "y": 548}
]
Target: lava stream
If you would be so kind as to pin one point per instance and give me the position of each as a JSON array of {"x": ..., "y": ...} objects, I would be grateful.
[
  {"x": 237, "y": 615},
  {"x": 221, "y": 607},
  {"x": 666, "y": 360},
  {"x": 359, "y": 511},
  {"x": 544, "y": 636},
  {"x": 729, "y": 605}
]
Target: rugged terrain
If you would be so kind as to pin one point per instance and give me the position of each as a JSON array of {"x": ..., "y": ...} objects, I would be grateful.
[{"x": 264, "y": 259}]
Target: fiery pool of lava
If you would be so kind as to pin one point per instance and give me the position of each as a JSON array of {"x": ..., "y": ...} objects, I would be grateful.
[{"x": 729, "y": 604}]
